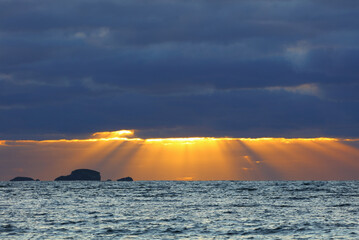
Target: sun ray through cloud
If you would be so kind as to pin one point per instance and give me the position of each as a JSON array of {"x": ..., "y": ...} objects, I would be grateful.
[{"x": 120, "y": 153}]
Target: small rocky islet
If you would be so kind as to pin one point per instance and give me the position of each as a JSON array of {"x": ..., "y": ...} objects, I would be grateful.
[
  {"x": 81, "y": 175},
  {"x": 76, "y": 175},
  {"x": 22, "y": 179},
  {"x": 125, "y": 179}
]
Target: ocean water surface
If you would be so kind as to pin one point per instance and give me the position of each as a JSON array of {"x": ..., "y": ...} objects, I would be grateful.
[{"x": 180, "y": 210}]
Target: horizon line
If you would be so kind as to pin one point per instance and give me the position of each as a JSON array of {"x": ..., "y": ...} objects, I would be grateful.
[{"x": 126, "y": 135}]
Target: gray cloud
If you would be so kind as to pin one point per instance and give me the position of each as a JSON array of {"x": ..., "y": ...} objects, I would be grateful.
[{"x": 235, "y": 68}]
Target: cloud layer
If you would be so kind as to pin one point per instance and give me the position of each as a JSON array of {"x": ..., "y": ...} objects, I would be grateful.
[{"x": 179, "y": 68}]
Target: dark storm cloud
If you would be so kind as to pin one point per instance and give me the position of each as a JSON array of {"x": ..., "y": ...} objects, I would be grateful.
[
  {"x": 179, "y": 68},
  {"x": 220, "y": 114}
]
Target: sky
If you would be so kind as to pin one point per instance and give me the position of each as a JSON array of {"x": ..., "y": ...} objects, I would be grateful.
[
  {"x": 178, "y": 69},
  {"x": 121, "y": 153}
]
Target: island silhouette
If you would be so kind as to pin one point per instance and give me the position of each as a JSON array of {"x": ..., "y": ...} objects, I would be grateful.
[
  {"x": 76, "y": 175},
  {"x": 22, "y": 179},
  {"x": 81, "y": 175}
]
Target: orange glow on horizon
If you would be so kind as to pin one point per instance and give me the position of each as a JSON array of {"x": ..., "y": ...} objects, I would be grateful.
[
  {"x": 125, "y": 135},
  {"x": 118, "y": 154}
]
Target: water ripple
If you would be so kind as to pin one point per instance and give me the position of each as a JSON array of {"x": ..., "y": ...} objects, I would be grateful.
[{"x": 171, "y": 210}]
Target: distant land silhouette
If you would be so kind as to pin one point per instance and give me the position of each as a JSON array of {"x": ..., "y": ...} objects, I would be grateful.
[
  {"x": 81, "y": 175},
  {"x": 76, "y": 175},
  {"x": 125, "y": 179},
  {"x": 22, "y": 179}
]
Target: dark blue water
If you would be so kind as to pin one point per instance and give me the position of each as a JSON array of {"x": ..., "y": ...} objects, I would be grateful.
[{"x": 177, "y": 210}]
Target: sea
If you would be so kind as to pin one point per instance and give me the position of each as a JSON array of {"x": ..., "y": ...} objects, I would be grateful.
[{"x": 180, "y": 210}]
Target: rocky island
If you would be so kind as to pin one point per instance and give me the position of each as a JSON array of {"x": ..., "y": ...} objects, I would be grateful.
[
  {"x": 76, "y": 175},
  {"x": 125, "y": 179},
  {"x": 81, "y": 175},
  {"x": 22, "y": 179}
]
